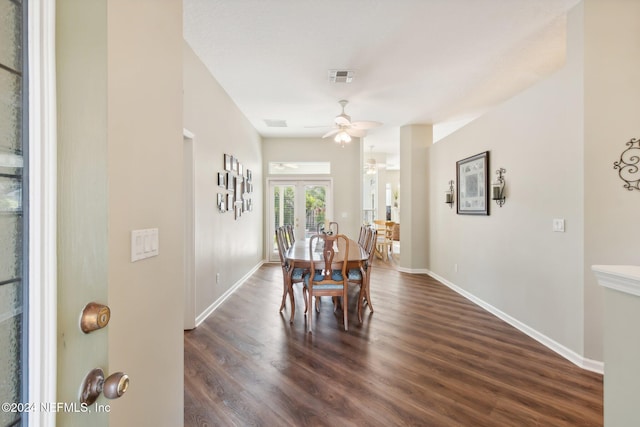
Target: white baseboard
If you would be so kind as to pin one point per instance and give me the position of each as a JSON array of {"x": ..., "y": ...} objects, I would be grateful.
[
  {"x": 207, "y": 312},
  {"x": 572, "y": 356},
  {"x": 414, "y": 270}
]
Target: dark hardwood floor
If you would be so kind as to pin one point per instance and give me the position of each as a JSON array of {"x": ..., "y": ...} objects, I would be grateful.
[{"x": 426, "y": 357}]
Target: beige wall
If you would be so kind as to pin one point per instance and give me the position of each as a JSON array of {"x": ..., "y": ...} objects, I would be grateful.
[
  {"x": 612, "y": 90},
  {"x": 223, "y": 244},
  {"x": 558, "y": 141},
  {"x": 120, "y": 159},
  {"x": 345, "y": 171},
  {"x": 512, "y": 260},
  {"x": 145, "y": 191}
]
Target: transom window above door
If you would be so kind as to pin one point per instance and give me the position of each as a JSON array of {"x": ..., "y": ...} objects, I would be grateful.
[{"x": 299, "y": 168}]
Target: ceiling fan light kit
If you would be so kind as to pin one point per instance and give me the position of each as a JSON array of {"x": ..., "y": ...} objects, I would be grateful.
[
  {"x": 342, "y": 138},
  {"x": 371, "y": 167},
  {"x": 345, "y": 129}
]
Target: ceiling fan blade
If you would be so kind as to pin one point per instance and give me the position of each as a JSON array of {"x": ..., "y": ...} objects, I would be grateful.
[
  {"x": 342, "y": 120},
  {"x": 365, "y": 124},
  {"x": 331, "y": 133},
  {"x": 359, "y": 133}
]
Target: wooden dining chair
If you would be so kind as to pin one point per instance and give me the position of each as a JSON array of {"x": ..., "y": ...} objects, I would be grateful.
[
  {"x": 360, "y": 276},
  {"x": 327, "y": 275},
  {"x": 291, "y": 237},
  {"x": 362, "y": 236},
  {"x": 384, "y": 244},
  {"x": 333, "y": 227},
  {"x": 289, "y": 276}
]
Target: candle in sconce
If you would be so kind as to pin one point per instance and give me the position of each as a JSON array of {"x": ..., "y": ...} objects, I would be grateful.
[
  {"x": 449, "y": 197},
  {"x": 496, "y": 192}
]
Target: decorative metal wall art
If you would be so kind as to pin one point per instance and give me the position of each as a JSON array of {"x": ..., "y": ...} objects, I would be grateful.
[{"x": 628, "y": 165}]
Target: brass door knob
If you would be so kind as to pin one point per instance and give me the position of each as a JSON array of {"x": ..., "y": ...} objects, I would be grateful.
[{"x": 114, "y": 386}]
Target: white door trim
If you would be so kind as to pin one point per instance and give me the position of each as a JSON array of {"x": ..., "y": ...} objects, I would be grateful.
[{"x": 42, "y": 361}]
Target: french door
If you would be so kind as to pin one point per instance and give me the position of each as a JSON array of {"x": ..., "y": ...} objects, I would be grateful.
[{"x": 301, "y": 203}]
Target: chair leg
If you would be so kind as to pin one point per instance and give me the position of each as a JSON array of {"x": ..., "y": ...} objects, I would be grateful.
[
  {"x": 361, "y": 296},
  {"x": 345, "y": 312},
  {"x": 336, "y": 303},
  {"x": 304, "y": 297},
  {"x": 368, "y": 296},
  {"x": 310, "y": 312},
  {"x": 285, "y": 289},
  {"x": 293, "y": 303}
]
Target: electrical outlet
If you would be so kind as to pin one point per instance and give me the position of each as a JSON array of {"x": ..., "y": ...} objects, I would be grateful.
[
  {"x": 217, "y": 277},
  {"x": 455, "y": 267}
]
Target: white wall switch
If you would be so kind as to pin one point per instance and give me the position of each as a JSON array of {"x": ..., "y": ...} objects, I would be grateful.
[
  {"x": 144, "y": 244},
  {"x": 558, "y": 225}
]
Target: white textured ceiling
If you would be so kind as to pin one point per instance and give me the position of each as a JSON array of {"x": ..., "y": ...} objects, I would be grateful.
[{"x": 440, "y": 62}]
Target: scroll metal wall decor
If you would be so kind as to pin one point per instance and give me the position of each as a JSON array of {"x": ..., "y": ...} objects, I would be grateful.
[{"x": 627, "y": 167}]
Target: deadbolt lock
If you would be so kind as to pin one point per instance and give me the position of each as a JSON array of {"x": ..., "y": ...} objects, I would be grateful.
[
  {"x": 114, "y": 386},
  {"x": 94, "y": 316}
]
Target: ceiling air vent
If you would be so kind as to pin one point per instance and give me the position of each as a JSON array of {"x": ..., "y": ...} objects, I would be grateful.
[
  {"x": 275, "y": 123},
  {"x": 340, "y": 76}
]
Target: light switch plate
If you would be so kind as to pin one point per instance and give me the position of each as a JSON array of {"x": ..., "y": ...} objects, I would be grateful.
[
  {"x": 144, "y": 244},
  {"x": 558, "y": 225}
]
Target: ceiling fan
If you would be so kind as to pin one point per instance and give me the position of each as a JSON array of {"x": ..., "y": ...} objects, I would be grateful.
[
  {"x": 371, "y": 166},
  {"x": 344, "y": 128},
  {"x": 282, "y": 166}
]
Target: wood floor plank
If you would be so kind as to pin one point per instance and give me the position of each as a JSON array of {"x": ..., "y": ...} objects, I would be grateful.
[{"x": 425, "y": 357}]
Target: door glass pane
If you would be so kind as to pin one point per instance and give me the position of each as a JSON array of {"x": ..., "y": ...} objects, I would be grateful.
[
  {"x": 10, "y": 111},
  {"x": 10, "y": 34},
  {"x": 283, "y": 208},
  {"x": 315, "y": 208},
  {"x": 12, "y": 221},
  {"x": 11, "y": 339}
]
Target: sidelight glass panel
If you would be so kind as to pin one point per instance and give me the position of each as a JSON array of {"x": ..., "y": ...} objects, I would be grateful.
[
  {"x": 10, "y": 111},
  {"x": 11, "y": 34},
  {"x": 10, "y": 366},
  {"x": 12, "y": 220},
  {"x": 10, "y": 247}
]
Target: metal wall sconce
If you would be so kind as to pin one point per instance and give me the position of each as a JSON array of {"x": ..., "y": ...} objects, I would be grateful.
[
  {"x": 449, "y": 195},
  {"x": 497, "y": 187}
]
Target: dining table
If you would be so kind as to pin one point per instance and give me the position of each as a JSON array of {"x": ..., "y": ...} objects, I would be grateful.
[{"x": 299, "y": 255}]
